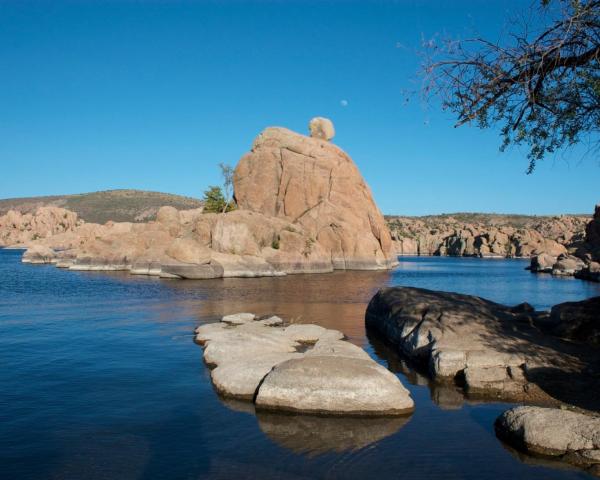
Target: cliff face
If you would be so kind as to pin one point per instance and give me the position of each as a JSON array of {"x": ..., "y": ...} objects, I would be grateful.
[
  {"x": 311, "y": 183},
  {"x": 303, "y": 207},
  {"x": 523, "y": 238},
  {"x": 18, "y": 228}
]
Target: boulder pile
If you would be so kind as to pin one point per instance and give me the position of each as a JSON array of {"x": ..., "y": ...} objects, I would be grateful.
[
  {"x": 299, "y": 368},
  {"x": 584, "y": 262}
]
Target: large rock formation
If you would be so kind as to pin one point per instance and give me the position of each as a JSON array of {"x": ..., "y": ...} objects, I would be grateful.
[
  {"x": 561, "y": 434},
  {"x": 298, "y": 368},
  {"x": 17, "y": 228},
  {"x": 315, "y": 185},
  {"x": 499, "y": 237},
  {"x": 302, "y": 207},
  {"x": 489, "y": 348}
]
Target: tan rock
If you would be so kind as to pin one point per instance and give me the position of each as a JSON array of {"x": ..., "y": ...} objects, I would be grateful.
[
  {"x": 321, "y": 128},
  {"x": 316, "y": 186}
]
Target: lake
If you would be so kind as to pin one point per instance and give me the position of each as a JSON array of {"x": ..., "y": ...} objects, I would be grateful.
[{"x": 101, "y": 379}]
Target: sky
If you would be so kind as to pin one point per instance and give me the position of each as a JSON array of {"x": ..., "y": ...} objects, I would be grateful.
[{"x": 154, "y": 95}]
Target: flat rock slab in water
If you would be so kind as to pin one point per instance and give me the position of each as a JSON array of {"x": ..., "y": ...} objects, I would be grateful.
[
  {"x": 495, "y": 350},
  {"x": 569, "y": 436},
  {"x": 298, "y": 368}
]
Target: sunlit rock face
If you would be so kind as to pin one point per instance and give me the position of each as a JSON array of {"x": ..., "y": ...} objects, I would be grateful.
[
  {"x": 315, "y": 185},
  {"x": 302, "y": 207}
]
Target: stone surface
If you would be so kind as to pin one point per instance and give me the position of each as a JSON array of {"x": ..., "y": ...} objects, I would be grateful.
[
  {"x": 17, "y": 228},
  {"x": 567, "y": 265},
  {"x": 297, "y": 368},
  {"x": 573, "y": 437},
  {"x": 39, "y": 254},
  {"x": 490, "y": 349},
  {"x": 324, "y": 384},
  {"x": 321, "y": 128},
  {"x": 317, "y": 188},
  {"x": 576, "y": 321},
  {"x": 542, "y": 263}
]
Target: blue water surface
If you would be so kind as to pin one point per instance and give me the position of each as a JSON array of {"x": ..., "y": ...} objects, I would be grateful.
[{"x": 100, "y": 379}]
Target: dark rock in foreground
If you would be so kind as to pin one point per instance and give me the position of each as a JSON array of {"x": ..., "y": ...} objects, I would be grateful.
[
  {"x": 551, "y": 432},
  {"x": 491, "y": 349}
]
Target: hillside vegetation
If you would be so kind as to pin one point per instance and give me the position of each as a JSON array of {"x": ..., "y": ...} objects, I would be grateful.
[{"x": 99, "y": 207}]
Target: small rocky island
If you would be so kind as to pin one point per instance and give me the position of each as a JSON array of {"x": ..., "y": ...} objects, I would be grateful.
[
  {"x": 300, "y": 368},
  {"x": 302, "y": 206}
]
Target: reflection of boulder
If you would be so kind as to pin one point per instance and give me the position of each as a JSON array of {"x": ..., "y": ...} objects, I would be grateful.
[{"x": 318, "y": 435}]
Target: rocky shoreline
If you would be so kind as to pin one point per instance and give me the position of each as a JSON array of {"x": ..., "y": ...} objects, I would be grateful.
[{"x": 516, "y": 354}]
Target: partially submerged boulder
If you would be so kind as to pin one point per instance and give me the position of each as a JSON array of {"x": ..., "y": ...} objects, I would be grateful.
[
  {"x": 490, "y": 349},
  {"x": 566, "y": 435},
  {"x": 298, "y": 368},
  {"x": 333, "y": 384}
]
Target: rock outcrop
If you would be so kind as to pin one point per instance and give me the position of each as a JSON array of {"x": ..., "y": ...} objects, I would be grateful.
[
  {"x": 490, "y": 349},
  {"x": 302, "y": 207},
  {"x": 314, "y": 185},
  {"x": 500, "y": 237},
  {"x": 17, "y": 228},
  {"x": 298, "y": 368},
  {"x": 562, "y": 434},
  {"x": 574, "y": 321},
  {"x": 584, "y": 260}
]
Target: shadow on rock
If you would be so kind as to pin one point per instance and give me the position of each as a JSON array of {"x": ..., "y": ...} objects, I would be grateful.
[
  {"x": 314, "y": 435},
  {"x": 581, "y": 389}
]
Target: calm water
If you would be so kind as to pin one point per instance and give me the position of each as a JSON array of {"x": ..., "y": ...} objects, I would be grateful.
[{"x": 100, "y": 379}]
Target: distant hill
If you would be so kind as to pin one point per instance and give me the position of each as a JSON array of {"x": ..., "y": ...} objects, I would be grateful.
[
  {"x": 99, "y": 207},
  {"x": 489, "y": 219}
]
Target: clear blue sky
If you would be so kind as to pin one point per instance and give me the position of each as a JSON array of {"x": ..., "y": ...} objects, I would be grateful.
[{"x": 153, "y": 95}]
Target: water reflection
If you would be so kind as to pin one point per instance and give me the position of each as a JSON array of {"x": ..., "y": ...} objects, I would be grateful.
[{"x": 316, "y": 435}]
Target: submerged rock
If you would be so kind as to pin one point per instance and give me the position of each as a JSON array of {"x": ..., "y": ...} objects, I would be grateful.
[
  {"x": 573, "y": 437},
  {"x": 298, "y": 368}
]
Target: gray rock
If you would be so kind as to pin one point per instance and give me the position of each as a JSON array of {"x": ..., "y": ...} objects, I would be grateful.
[
  {"x": 240, "y": 379},
  {"x": 572, "y": 436},
  {"x": 39, "y": 254},
  {"x": 567, "y": 265},
  {"x": 192, "y": 271},
  {"x": 334, "y": 376},
  {"x": 238, "y": 318},
  {"x": 542, "y": 263},
  {"x": 326, "y": 385},
  {"x": 309, "y": 333},
  {"x": 578, "y": 321},
  {"x": 487, "y": 346}
]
